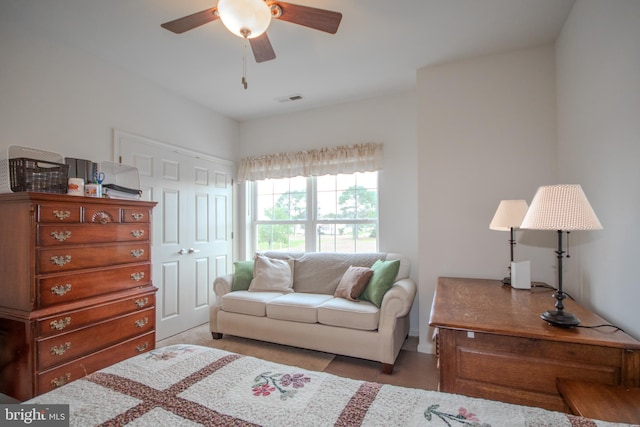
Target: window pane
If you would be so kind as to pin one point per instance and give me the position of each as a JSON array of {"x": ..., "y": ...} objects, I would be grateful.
[
  {"x": 342, "y": 202},
  {"x": 360, "y": 199},
  {"x": 367, "y": 238},
  {"x": 327, "y": 200},
  {"x": 281, "y": 199},
  {"x": 280, "y": 237},
  {"x": 346, "y": 238}
]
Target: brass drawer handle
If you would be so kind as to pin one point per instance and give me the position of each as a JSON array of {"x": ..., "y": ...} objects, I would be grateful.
[
  {"x": 60, "y": 324},
  {"x": 140, "y": 323},
  {"x": 137, "y": 276},
  {"x": 60, "y": 260},
  {"x": 137, "y": 216},
  {"x": 61, "y": 236},
  {"x": 61, "y": 289},
  {"x": 60, "y": 381},
  {"x": 60, "y": 350},
  {"x": 137, "y": 233},
  {"x": 61, "y": 215},
  {"x": 142, "y": 347},
  {"x": 137, "y": 253},
  {"x": 142, "y": 302}
]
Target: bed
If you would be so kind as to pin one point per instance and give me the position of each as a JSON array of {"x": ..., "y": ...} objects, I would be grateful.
[{"x": 188, "y": 385}]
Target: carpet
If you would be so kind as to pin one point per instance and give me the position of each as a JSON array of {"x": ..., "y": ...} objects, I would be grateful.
[{"x": 293, "y": 356}]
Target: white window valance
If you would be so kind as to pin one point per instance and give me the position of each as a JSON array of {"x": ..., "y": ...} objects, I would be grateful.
[{"x": 324, "y": 161}]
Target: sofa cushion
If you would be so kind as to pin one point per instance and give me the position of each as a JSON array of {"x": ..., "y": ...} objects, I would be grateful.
[
  {"x": 320, "y": 272},
  {"x": 272, "y": 275},
  {"x": 349, "y": 314},
  {"x": 245, "y": 302},
  {"x": 384, "y": 275},
  {"x": 353, "y": 282},
  {"x": 296, "y": 307},
  {"x": 405, "y": 265},
  {"x": 242, "y": 275}
]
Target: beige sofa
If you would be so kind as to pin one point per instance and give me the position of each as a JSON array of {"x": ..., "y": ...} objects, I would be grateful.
[{"x": 311, "y": 317}]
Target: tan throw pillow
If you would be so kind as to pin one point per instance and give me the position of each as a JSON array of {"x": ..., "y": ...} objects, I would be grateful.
[
  {"x": 353, "y": 282},
  {"x": 272, "y": 275}
]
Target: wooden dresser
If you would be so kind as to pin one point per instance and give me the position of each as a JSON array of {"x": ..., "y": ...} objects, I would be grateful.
[
  {"x": 493, "y": 344},
  {"x": 75, "y": 288}
]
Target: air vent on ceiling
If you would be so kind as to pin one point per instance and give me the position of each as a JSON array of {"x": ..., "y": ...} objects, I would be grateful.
[{"x": 289, "y": 98}]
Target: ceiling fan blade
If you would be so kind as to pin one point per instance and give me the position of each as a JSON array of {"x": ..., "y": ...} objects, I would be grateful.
[
  {"x": 262, "y": 49},
  {"x": 192, "y": 21},
  {"x": 318, "y": 19}
]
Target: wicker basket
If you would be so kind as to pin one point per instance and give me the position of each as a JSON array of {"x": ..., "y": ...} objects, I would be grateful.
[
  {"x": 31, "y": 169},
  {"x": 38, "y": 175}
]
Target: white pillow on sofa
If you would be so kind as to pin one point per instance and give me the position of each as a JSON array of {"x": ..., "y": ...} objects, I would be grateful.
[{"x": 272, "y": 275}]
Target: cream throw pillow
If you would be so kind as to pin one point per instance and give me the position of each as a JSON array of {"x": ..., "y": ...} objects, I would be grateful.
[{"x": 272, "y": 275}]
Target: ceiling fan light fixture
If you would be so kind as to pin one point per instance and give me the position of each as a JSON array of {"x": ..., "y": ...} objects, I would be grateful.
[{"x": 245, "y": 18}]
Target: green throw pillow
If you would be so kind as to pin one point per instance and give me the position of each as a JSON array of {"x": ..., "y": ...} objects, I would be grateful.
[
  {"x": 384, "y": 275},
  {"x": 242, "y": 275}
]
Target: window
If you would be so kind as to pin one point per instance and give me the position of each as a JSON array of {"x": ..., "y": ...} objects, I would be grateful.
[{"x": 330, "y": 213}]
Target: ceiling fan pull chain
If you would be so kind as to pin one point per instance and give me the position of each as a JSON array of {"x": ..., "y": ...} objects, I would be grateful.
[{"x": 244, "y": 64}]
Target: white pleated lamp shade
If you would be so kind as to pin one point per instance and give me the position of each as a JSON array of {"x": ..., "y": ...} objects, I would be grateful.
[
  {"x": 560, "y": 207},
  {"x": 508, "y": 215}
]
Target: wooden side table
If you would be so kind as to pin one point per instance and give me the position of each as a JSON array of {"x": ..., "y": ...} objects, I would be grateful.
[
  {"x": 600, "y": 401},
  {"x": 492, "y": 344}
]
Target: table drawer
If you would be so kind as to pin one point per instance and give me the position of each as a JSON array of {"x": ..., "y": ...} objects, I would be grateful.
[
  {"x": 58, "y": 213},
  {"x": 72, "y": 320},
  {"x": 70, "y": 287},
  {"x": 56, "y": 377},
  {"x": 521, "y": 370},
  {"x": 51, "y": 260},
  {"x": 55, "y": 235},
  {"x": 68, "y": 346}
]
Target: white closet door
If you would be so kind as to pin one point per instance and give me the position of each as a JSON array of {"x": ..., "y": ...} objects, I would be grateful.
[{"x": 192, "y": 226}]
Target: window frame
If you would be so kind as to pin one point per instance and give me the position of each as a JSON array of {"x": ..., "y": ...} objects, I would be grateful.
[{"x": 311, "y": 223}]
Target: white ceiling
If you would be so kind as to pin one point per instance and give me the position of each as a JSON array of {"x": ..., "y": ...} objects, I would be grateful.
[{"x": 378, "y": 48}]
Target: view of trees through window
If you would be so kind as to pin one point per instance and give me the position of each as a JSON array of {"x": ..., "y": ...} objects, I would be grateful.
[{"x": 331, "y": 213}]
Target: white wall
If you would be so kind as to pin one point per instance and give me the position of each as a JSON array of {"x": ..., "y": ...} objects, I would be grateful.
[
  {"x": 390, "y": 120},
  {"x": 598, "y": 74},
  {"x": 67, "y": 101},
  {"x": 486, "y": 132}
]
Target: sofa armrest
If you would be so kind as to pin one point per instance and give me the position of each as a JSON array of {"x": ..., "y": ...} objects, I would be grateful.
[
  {"x": 222, "y": 285},
  {"x": 397, "y": 303}
]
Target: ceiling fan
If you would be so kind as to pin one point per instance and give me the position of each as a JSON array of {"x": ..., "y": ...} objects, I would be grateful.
[{"x": 250, "y": 19}]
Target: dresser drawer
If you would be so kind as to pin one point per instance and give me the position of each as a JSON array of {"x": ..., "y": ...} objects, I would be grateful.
[
  {"x": 56, "y": 377},
  {"x": 58, "y": 213},
  {"x": 139, "y": 215},
  {"x": 101, "y": 214},
  {"x": 71, "y": 345},
  {"x": 66, "y": 259},
  {"x": 55, "y": 235},
  {"x": 72, "y": 320},
  {"x": 60, "y": 289}
]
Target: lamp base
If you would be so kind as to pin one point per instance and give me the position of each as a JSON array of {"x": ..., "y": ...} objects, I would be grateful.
[
  {"x": 561, "y": 319},
  {"x": 506, "y": 280}
]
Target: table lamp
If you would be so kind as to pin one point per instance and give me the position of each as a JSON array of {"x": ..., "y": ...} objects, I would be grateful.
[
  {"x": 562, "y": 208},
  {"x": 508, "y": 217}
]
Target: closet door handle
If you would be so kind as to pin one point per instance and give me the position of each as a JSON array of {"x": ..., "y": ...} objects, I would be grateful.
[
  {"x": 182, "y": 251},
  {"x": 191, "y": 250}
]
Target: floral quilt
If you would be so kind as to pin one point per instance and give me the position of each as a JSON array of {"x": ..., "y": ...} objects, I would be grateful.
[{"x": 187, "y": 385}]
